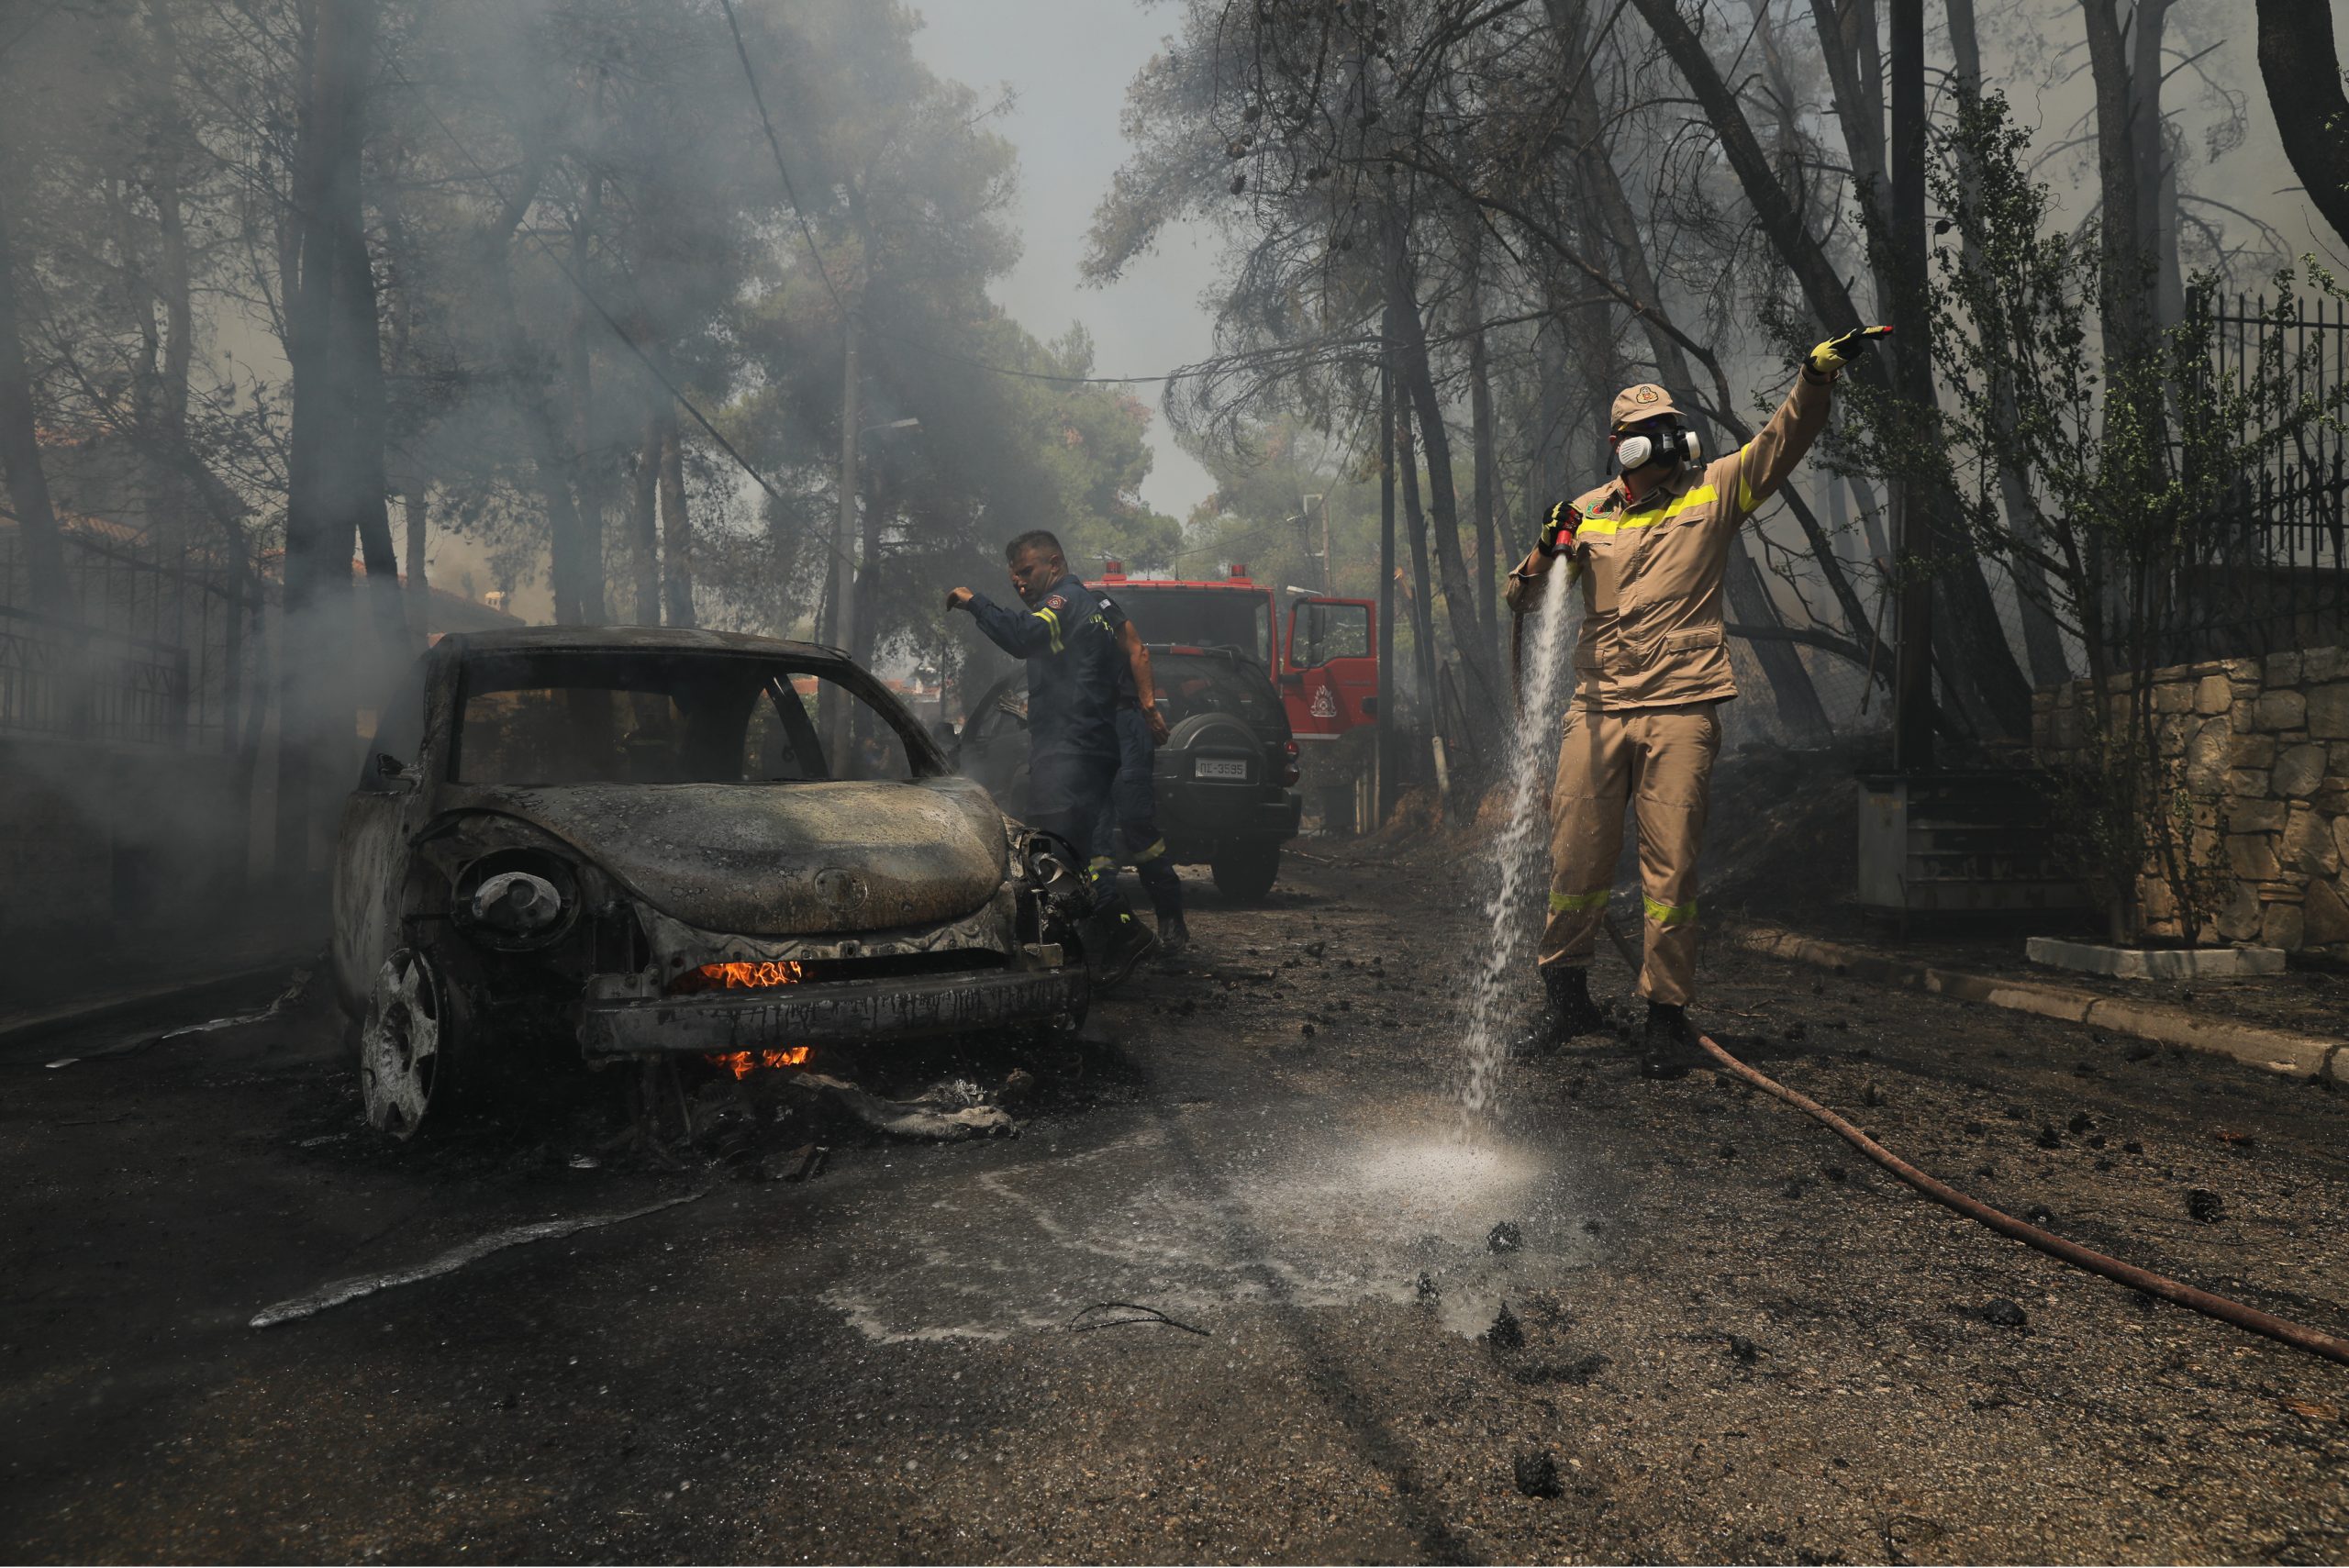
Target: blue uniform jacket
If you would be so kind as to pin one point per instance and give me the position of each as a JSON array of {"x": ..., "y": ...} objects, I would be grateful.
[{"x": 1069, "y": 639}]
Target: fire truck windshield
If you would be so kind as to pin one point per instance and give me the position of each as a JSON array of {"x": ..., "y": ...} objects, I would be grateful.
[{"x": 1200, "y": 616}]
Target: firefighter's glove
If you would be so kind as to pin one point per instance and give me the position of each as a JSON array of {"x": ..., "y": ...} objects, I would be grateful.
[
  {"x": 1836, "y": 352},
  {"x": 1558, "y": 531}
]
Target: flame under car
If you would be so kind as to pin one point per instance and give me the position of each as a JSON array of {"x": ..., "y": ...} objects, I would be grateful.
[{"x": 609, "y": 844}]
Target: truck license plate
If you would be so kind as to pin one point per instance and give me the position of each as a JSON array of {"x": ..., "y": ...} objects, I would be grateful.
[{"x": 1222, "y": 768}]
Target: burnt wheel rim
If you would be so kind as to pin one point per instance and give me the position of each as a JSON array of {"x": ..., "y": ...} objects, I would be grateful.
[{"x": 399, "y": 1044}]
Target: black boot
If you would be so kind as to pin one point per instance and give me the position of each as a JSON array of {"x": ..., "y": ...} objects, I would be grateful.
[
  {"x": 1668, "y": 1043},
  {"x": 1566, "y": 1010},
  {"x": 1174, "y": 933},
  {"x": 1117, "y": 942}
]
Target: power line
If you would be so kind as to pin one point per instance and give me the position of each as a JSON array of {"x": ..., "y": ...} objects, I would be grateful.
[
  {"x": 1038, "y": 375},
  {"x": 815, "y": 254},
  {"x": 617, "y": 332},
  {"x": 742, "y": 53}
]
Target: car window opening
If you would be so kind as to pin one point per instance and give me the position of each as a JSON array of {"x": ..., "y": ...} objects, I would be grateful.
[
  {"x": 575, "y": 719},
  {"x": 1202, "y": 618}
]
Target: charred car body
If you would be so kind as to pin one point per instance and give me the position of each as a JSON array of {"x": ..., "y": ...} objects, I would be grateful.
[
  {"x": 627, "y": 843},
  {"x": 1224, "y": 781}
]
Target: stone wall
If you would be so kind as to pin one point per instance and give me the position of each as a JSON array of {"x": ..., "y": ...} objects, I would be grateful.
[{"x": 2265, "y": 746}]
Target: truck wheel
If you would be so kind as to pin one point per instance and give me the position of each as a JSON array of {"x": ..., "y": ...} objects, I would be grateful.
[{"x": 1244, "y": 876}]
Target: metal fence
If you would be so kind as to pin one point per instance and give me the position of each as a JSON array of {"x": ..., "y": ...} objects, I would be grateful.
[
  {"x": 2271, "y": 569},
  {"x": 158, "y": 647},
  {"x": 65, "y": 680}
]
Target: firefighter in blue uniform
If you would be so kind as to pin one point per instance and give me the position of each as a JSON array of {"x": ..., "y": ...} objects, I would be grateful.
[
  {"x": 1129, "y": 821},
  {"x": 1068, "y": 635}
]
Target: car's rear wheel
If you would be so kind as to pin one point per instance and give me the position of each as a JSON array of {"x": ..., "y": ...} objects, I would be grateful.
[
  {"x": 1245, "y": 876},
  {"x": 406, "y": 1044}
]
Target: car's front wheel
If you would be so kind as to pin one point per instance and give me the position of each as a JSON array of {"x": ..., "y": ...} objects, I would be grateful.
[
  {"x": 406, "y": 1040},
  {"x": 1245, "y": 876}
]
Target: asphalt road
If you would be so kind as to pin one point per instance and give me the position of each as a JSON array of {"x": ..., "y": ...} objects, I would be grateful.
[{"x": 1737, "y": 1341}]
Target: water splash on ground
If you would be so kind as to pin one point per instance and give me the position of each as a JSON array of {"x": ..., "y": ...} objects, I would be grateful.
[{"x": 1516, "y": 864}]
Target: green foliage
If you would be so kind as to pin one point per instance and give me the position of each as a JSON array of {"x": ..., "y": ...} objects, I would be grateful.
[
  {"x": 2098, "y": 474},
  {"x": 1260, "y": 512}
]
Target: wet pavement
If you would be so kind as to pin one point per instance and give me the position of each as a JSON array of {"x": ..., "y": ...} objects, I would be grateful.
[{"x": 1728, "y": 1340}]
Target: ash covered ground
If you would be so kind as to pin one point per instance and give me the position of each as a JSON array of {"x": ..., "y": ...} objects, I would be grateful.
[{"x": 1726, "y": 1337}]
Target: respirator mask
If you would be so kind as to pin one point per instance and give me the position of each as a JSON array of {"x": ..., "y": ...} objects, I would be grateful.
[{"x": 1668, "y": 443}]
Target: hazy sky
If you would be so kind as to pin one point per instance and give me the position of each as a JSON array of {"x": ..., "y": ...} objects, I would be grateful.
[{"x": 1067, "y": 63}]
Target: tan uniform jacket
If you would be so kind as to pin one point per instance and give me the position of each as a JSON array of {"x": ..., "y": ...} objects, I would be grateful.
[{"x": 1652, "y": 634}]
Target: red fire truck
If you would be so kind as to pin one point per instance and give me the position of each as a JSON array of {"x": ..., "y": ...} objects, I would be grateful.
[{"x": 1323, "y": 664}]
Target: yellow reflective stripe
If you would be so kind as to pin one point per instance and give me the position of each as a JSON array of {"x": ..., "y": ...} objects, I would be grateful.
[
  {"x": 1575, "y": 903},
  {"x": 1746, "y": 499},
  {"x": 1670, "y": 913},
  {"x": 1102, "y": 862},
  {"x": 1052, "y": 623},
  {"x": 1151, "y": 853},
  {"x": 1703, "y": 494}
]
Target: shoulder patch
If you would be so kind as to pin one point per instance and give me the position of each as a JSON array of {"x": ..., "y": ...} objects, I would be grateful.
[{"x": 1055, "y": 601}]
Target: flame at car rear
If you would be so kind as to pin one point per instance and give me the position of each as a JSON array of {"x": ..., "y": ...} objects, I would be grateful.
[{"x": 736, "y": 977}]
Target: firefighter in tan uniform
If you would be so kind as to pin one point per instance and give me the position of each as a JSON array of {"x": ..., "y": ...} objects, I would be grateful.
[{"x": 1651, "y": 671}]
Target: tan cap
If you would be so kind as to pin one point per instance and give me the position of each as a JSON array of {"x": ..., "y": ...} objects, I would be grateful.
[{"x": 1636, "y": 404}]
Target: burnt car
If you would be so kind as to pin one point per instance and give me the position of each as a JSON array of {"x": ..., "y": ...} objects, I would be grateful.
[
  {"x": 1224, "y": 780},
  {"x": 627, "y": 843}
]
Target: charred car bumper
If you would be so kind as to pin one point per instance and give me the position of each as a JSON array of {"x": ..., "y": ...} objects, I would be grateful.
[{"x": 839, "y": 1012}]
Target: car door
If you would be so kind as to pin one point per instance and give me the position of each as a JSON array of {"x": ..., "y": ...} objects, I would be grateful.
[
  {"x": 371, "y": 852},
  {"x": 1329, "y": 675}
]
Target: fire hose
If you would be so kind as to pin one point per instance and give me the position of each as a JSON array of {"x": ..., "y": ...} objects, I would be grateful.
[{"x": 2331, "y": 1347}]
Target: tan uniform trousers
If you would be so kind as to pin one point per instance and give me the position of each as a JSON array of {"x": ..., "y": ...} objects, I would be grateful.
[{"x": 1658, "y": 761}]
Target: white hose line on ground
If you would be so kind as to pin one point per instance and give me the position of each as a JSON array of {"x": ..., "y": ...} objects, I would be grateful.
[{"x": 349, "y": 1290}]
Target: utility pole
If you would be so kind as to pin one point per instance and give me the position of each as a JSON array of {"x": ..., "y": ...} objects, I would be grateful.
[
  {"x": 1913, "y": 526},
  {"x": 845, "y": 542},
  {"x": 1386, "y": 734},
  {"x": 1328, "y": 567}
]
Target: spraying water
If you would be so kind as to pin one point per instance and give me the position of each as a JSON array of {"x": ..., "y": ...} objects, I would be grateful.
[{"x": 1515, "y": 858}]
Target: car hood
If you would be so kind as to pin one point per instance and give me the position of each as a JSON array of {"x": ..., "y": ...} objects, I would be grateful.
[{"x": 782, "y": 859}]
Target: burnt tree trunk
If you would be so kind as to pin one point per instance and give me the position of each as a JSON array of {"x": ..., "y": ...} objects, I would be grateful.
[
  {"x": 20, "y": 440},
  {"x": 522, "y": 362},
  {"x": 335, "y": 444},
  {"x": 864, "y": 628},
  {"x": 2302, "y": 66},
  {"x": 644, "y": 526},
  {"x": 1415, "y": 528},
  {"x": 2125, "y": 319},
  {"x": 1476, "y": 648},
  {"x": 173, "y": 459},
  {"x": 676, "y": 527},
  {"x": 1480, "y": 420},
  {"x": 2042, "y": 636},
  {"x": 577, "y": 559},
  {"x": 2155, "y": 170},
  {"x": 416, "y": 509},
  {"x": 359, "y": 340}
]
